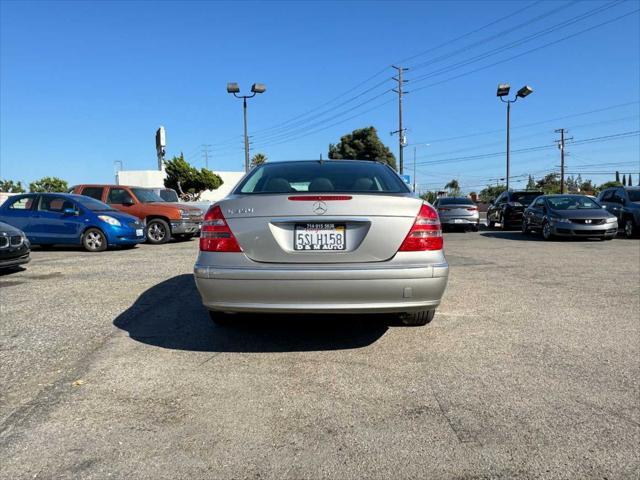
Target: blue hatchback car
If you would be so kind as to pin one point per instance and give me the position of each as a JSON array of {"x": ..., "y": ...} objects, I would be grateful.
[{"x": 62, "y": 218}]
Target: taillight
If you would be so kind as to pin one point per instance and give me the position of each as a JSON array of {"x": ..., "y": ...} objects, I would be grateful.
[
  {"x": 472, "y": 209},
  {"x": 425, "y": 234},
  {"x": 216, "y": 236}
]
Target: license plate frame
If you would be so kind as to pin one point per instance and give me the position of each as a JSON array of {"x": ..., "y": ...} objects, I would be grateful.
[{"x": 316, "y": 229}]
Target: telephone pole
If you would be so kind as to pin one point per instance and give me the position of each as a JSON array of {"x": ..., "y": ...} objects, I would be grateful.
[
  {"x": 206, "y": 150},
  {"x": 401, "y": 130},
  {"x": 560, "y": 143}
]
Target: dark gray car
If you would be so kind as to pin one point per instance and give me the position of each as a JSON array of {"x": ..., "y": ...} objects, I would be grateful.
[
  {"x": 14, "y": 247},
  {"x": 624, "y": 203},
  {"x": 569, "y": 215}
]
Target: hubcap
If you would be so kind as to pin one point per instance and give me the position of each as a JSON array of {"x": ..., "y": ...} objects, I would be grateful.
[
  {"x": 156, "y": 232},
  {"x": 546, "y": 230},
  {"x": 94, "y": 240}
]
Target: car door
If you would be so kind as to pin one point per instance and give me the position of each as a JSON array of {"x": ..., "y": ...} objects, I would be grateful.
[
  {"x": 606, "y": 199},
  {"x": 539, "y": 211},
  {"x": 120, "y": 198},
  {"x": 53, "y": 222},
  {"x": 618, "y": 199},
  {"x": 17, "y": 211}
]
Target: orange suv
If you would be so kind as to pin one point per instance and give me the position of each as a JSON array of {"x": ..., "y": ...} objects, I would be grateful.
[{"x": 163, "y": 220}]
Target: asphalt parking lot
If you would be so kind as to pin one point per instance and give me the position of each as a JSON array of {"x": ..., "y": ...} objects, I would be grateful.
[{"x": 110, "y": 367}]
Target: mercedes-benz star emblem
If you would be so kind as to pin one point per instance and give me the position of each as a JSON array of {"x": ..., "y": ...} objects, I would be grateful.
[{"x": 319, "y": 208}]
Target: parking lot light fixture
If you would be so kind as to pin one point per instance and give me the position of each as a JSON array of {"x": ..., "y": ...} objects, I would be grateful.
[
  {"x": 232, "y": 87},
  {"x": 503, "y": 91}
]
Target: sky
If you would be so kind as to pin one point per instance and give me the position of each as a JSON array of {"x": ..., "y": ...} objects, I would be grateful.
[{"x": 86, "y": 84}]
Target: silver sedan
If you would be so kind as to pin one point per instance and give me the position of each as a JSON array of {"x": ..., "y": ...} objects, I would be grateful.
[
  {"x": 458, "y": 212},
  {"x": 342, "y": 236}
]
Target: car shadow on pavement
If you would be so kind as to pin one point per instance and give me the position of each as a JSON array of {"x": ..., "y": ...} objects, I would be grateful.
[
  {"x": 170, "y": 315},
  {"x": 512, "y": 236}
]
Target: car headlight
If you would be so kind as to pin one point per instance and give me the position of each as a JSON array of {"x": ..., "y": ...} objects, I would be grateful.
[
  {"x": 110, "y": 220},
  {"x": 184, "y": 213},
  {"x": 611, "y": 219},
  {"x": 560, "y": 220}
]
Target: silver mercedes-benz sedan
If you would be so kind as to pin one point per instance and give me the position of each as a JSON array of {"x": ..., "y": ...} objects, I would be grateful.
[{"x": 336, "y": 236}]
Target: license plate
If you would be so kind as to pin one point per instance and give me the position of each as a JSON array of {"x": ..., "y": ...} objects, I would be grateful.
[
  {"x": 139, "y": 232},
  {"x": 457, "y": 220},
  {"x": 319, "y": 236}
]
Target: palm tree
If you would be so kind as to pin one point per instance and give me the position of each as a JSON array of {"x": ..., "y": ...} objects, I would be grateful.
[
  {"x": 258, "y": 159},
  {"x": 454, "y": 187}
]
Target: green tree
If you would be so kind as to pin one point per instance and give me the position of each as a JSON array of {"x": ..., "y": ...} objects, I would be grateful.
[
  {"x": 617, "y": 176},
  {"x": 531, "y": 183},
  {"x": 629, "y": 181},
  {"x": 587, "y": 186},
  {"x": 624, "y": 180},
  {"x": 491, "y": 192},
  {"x": 549, "y": 184},
  {"x": 9, "y": 186},
  {"x": 258, "y": 159},
  {"x": 362, "y": 144},
  {"x": 187, "y": 180},
  {"x": 454, "y": 188},
  {"x": 49, "y": 184},
  {"x": 430, "y": 196},
  {"x": 610, "y": 183}
]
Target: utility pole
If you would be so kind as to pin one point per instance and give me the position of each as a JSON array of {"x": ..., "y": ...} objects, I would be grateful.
[
  {"x": 414, "y": 169},
  {"x": 206, "y": 149},
  {"x": 560, "y": 142},
  {"x": 400, "y": 131}
]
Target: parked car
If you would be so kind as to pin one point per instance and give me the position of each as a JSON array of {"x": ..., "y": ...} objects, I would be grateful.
[
  {"x": 569, "y": 215},
  {"x": 322, "y": 236},
  {"x": 14, "y": 247},
  {"x": 507, "y": 209},
  {"x": 163, "y": 220},
  {"x": 169, "y": 195},
  {"x": 624, "y": 203},
  {"x": 457, "y": 212},
  {"x": 62, "y": 218}
]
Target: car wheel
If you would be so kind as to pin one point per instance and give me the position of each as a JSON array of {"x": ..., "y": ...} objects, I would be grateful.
[
  {"x": 490, "y": 223},
  {"x": 158, "y": 231},
  {"x": 629, "y": 230},
  {"x": 547, "y": 234},
  {"x": 93, "y": 240},
  {"x": 525, "y": 227},
  {"x": 475, "y": 228},
  {"x": 417, "y": 319},
  {"x": 503, "y": 223}
]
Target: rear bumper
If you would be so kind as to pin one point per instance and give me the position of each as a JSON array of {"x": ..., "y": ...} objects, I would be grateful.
[
  {"x": 316, "y": 290},
  {"x": 475, "y": 220}
]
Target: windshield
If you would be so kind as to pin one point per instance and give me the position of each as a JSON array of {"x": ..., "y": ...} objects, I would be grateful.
[
  {"x": 92, "y": 204},
  {"x": 634, "y": 195},
  {"x": 359, "y": 176},
  {"x": 571, "y": 202},
  {"x": 455, "y": 201},
  {"x": 525, "y": 198},
  {"x": 169, "y": 195},
  {"x": 145, "y": 195}
]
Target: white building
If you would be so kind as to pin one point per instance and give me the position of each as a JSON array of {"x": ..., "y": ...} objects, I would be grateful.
[{"x": 155, "y": 179}]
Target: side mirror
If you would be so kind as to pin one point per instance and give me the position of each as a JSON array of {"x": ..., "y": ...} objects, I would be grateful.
[
  {"x": 69, "y": 212},
  {"x": 128, "y": 202},
  {"x": 603, "y": 206}
]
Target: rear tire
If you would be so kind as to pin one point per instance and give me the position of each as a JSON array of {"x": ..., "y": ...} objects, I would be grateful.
[
  {"x": 491, "y": 223},
  {"x": 93, "y": 240},
  {"x": 417, "y": 319},
  {"x": 503, "y": 223},
  {"x": 525, "y": 227},
  {"x": 158, "y": 231}
]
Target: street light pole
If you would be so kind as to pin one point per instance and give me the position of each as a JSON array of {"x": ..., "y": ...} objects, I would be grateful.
[
  {"x": 235, "y": 89},
  {"x": 503, "y": 91}
]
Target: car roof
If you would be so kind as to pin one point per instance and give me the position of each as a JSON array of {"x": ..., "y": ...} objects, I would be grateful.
[{"x": 328, "y": 160}]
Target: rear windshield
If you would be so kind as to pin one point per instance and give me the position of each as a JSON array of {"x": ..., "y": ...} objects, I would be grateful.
[
  {"x": 525, "y": 198},
  {"x": 571, "y": 202},
  {"x": 323, "y": 177},
  {"x": 168, "y": 195},
  {"x": 455, "y": 201}
]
